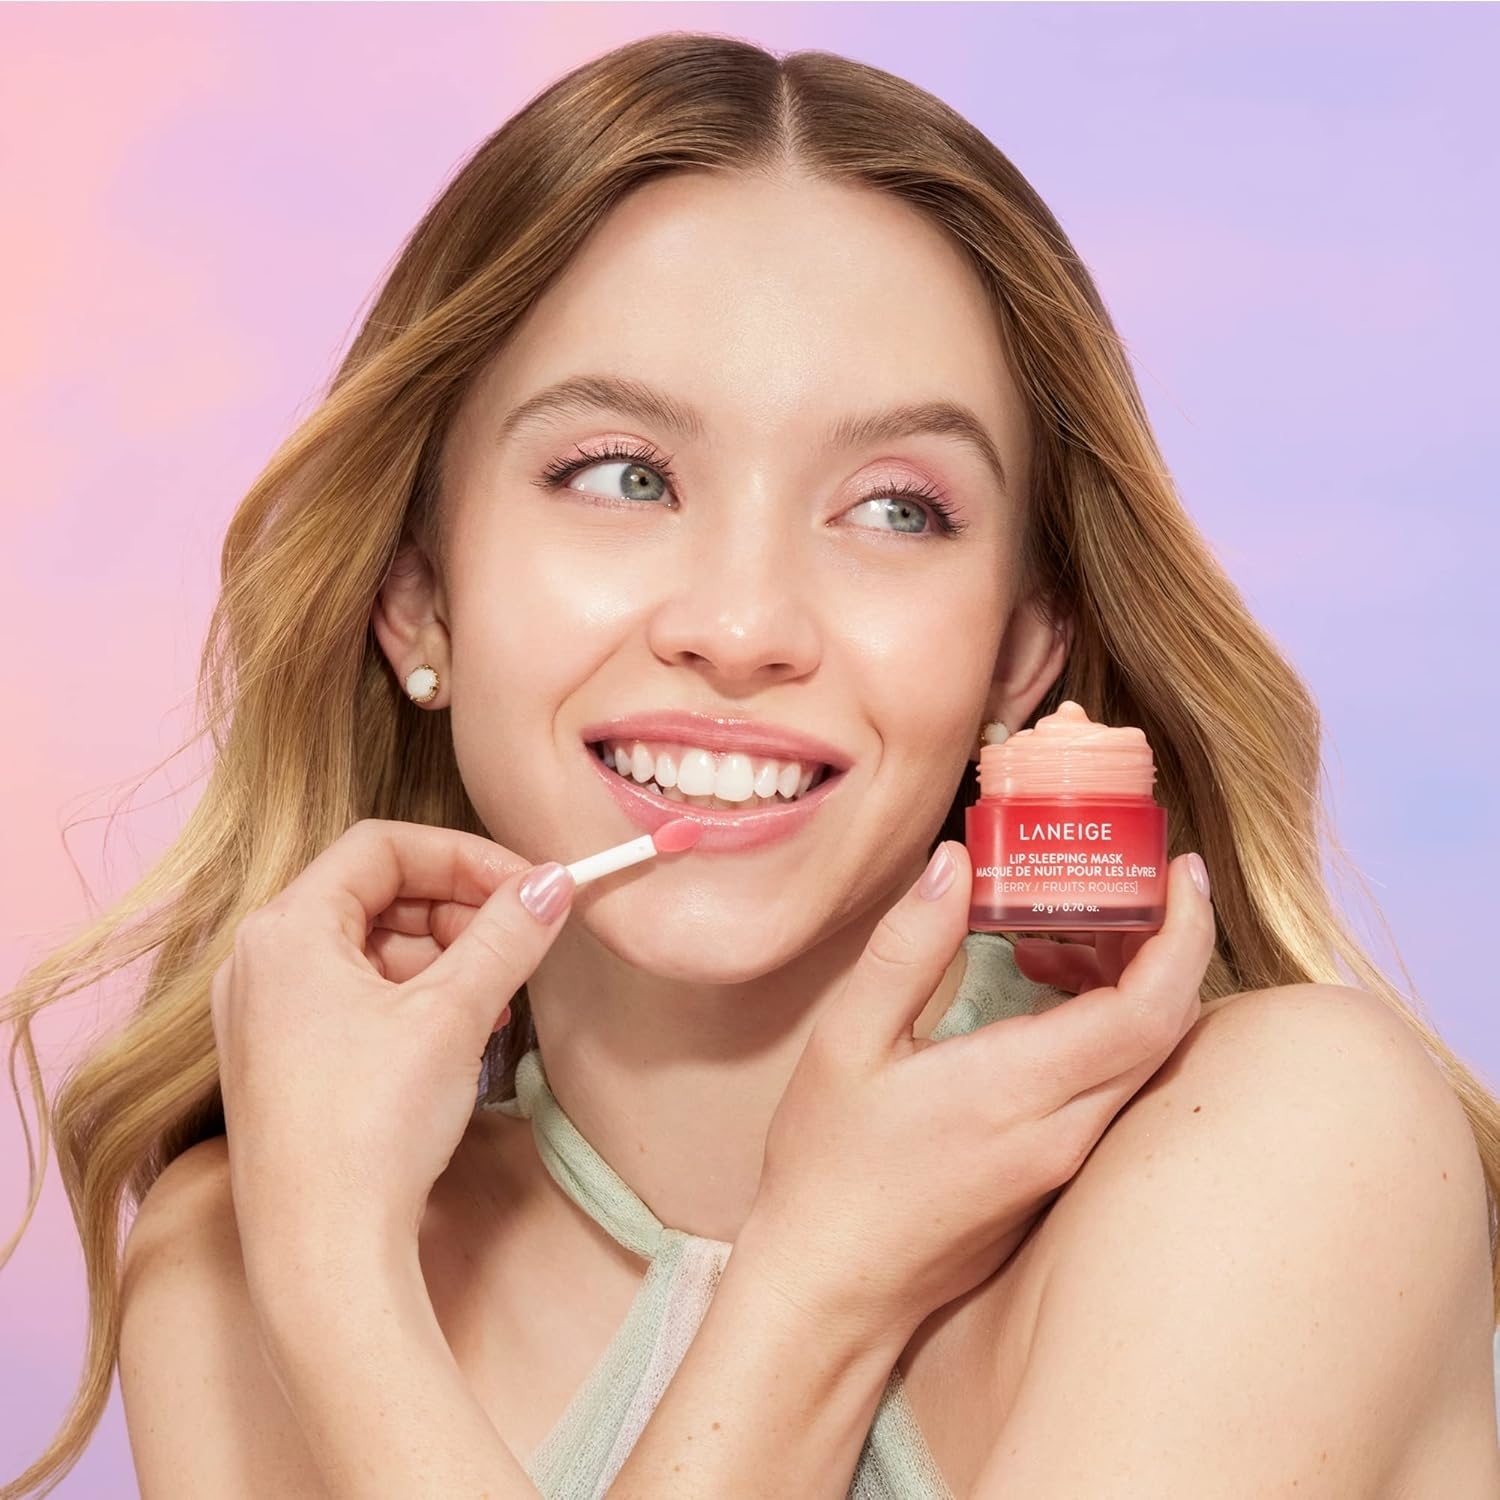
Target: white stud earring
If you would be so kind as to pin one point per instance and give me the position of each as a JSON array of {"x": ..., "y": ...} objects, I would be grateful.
[
  {"x": 422, "y": 684},
  {"x": 993, "y": 733}
]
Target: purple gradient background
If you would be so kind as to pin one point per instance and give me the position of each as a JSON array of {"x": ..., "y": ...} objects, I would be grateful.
[{"x": 1286, "y": 208}]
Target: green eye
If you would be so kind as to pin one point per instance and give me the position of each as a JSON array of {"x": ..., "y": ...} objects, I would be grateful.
[
  {"x": 902, "y": 502},
  {"x": 641, "y": 463},
  {"x": 906, "y": 501}
]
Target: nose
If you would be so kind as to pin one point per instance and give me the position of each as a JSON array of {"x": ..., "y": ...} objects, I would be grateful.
[{"x": 741, "y": 611}]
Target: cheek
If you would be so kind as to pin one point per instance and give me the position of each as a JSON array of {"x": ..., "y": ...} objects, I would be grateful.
[
  {"x": 507, "y": 681},
  {"x": 533, "y": 617},
  {"x": 925, "y": 667},
  {"x": 531, "y": 625}
]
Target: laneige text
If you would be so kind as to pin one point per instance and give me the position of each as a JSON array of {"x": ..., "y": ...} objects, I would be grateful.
[{"x": 1025, "y": 832}]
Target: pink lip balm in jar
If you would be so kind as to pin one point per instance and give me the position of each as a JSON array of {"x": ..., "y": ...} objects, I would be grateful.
[{"x": 1066, "y": 835}]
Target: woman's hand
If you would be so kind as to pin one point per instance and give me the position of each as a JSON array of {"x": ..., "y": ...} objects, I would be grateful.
[
  {"x": 350, "y": 1022},
  {"x": 1084, "y": 961},
  {"x": 900, "y": 1172}
]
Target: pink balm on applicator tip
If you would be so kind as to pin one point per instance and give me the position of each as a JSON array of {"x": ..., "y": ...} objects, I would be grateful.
[
  {"x": 679, "y": 834},
  {"x": 673, "y": 837},
  {"x": 1066, "y": 836}
]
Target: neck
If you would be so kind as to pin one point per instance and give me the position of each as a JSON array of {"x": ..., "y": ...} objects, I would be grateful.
[{"x": 674, "y": 1083}]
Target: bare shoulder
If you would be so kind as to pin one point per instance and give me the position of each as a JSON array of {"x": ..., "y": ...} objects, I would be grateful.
[
  {"x": 202, "y": 1408},
  {"x": 191, "y": 1193},
  {"x": 1298, "y": 1073},
  {"x": 1278, "y": 1252}
]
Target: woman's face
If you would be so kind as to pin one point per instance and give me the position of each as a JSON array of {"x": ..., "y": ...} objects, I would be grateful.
[{"x": 748, "y": 565}]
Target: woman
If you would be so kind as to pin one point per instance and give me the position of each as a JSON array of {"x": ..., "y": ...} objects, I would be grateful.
[{"x": 585, "y": 462}]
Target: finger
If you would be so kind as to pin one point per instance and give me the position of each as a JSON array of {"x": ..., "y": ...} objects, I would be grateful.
[
  {"x": 503, "y": 942},
  {"x": 443, "y": 920},
  {"x": 1131, "y": 944},
  {"x": 1064, "y": 966},
  {"x": 904, "y": 960},
  {"x": 1088, "y": 1115},
  {"x": 409, "y": 916},
  {"x": 401, "y": 947},
  {"x": 378, "y": 861},
  {"x": 1169, "y": 964},
  {"x": 1094, "y": 1108},
  {"x": 1107, "y": 1032},
  {"x": 398, "y": 956},
  {"x": 1108, "y": 946}
]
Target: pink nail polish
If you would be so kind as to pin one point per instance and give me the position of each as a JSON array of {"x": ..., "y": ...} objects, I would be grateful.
[
  {"x": 545, "y": 891},
  {"x": 938, "y": 875}
]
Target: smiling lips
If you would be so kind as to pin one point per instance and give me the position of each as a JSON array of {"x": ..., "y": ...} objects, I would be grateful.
[
  {"x": 687, "y": 773},
  {"x": 745, "y": 819}
]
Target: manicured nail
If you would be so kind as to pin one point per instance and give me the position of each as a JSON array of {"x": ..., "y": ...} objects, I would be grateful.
[
  {"x": 1199, "y": 871},
  {"x": 545, "y": 891},
  {"x": 938, "y": 875}
]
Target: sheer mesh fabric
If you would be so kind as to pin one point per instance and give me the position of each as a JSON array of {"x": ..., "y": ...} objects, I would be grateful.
[{"x": 580, "y": 1457}]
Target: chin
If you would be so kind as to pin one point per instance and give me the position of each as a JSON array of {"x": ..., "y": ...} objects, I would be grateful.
[{"x": 712, "y": 943}]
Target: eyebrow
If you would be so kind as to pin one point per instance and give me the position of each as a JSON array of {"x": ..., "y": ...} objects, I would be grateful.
[{"x": 579, "y": 394}]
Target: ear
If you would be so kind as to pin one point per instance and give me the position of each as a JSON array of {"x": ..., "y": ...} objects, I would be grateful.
[
  {"x": 1033, "y": 651},
  {"x": 409, "y": 617}
]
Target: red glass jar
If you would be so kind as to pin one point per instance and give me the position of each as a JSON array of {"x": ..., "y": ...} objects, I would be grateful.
[{"x": 1066, "y": 835}]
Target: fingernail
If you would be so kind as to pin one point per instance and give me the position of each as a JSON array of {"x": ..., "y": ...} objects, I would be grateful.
[
  {"x": 545, "y": 891},
  {"x": 1199, "y": 871},
  {"x": 938, "y": 875}
]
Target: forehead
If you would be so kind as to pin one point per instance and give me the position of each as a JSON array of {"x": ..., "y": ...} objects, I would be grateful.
[{"x": 779, "y": 305}]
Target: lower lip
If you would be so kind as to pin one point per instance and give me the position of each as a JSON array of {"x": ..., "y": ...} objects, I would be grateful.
[{"x": 722, "y": 830}]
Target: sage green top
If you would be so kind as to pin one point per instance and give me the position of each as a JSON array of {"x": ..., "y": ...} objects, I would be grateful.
[{"x": 581, "y": 1456}]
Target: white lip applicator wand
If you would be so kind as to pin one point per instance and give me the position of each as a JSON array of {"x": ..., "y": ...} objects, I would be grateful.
[{"x": 670, "y": 838}]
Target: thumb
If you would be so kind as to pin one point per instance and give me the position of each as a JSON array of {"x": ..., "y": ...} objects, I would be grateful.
[
  {"x": 505, "y": 939},
  {"x": 906, "y": 957}
]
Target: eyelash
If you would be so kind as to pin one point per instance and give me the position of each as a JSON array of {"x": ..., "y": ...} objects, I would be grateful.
[{"x": 560, "y": 470}]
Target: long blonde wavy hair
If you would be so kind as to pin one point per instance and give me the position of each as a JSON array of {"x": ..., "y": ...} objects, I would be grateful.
[{"x": 312, "y": 732}]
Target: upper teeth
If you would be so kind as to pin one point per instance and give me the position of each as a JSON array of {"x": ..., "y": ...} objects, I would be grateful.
[{"x": 691, "y": 772}]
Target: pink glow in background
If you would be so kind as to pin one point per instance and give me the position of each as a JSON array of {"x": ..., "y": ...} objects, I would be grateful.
[{"x": 1290, "y": 210}]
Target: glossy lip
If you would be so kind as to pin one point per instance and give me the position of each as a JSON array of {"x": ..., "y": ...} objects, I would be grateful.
[
  {"x": 721, "y": 830},
  {"x": 726, "y": 735}
]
